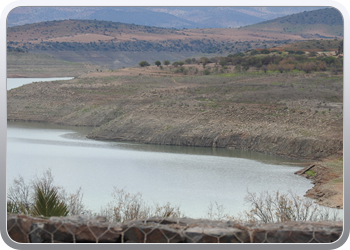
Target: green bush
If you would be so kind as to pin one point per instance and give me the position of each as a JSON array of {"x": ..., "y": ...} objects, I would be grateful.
[
  {"x": 144, "y": 64},
  {"x": 254, "y": 52},
  {"x": 310, "y": 173},
  {"x": 223, "y": 63},
  {"x": 264, "y": 51}
]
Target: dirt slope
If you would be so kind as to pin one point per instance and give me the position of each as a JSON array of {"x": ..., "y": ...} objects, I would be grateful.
[{"x": 263, "y": 112}]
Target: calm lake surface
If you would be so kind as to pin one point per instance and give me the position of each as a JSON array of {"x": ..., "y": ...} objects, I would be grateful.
[
  {"x": 190, "y": 177},
  {"x": 186, "y": 176},
  {"x": 18, "y": 82}
]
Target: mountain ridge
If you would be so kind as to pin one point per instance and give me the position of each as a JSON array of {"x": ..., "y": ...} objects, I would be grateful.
[{"x": 168, "y": 17}]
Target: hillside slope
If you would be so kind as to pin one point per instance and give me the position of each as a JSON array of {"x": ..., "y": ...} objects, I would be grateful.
[
  {"x": 290, "y": 114},
  {"x": 116, "y": 45},
  {"x": 323, "y": 23},
  {"x": 21, "y": 64}
]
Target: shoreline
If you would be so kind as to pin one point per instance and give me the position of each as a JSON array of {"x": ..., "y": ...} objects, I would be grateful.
[
  {"x": 322, "y": 192},
  {"x": 138, "y": 105},
  {"x": 328, "y": 189}
]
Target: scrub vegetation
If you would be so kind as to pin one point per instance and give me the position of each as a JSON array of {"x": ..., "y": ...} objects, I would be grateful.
[
  {"x": 267, "y": 61},
  {"x": 42, "y": 198}
]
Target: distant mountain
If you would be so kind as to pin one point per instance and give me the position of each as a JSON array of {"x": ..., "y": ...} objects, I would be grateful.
[
  {"x": 322, "y": 23},
  {"x": 327, "y": 16},
  {"x": 141, "y": 17},
  {"x": 116, "y": 44},
  {"x": 167, "y": 17}
]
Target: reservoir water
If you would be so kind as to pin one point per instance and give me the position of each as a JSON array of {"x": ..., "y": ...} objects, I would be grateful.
[
  {"x": 18, "y": 82},
  {"x": 190, "y": 177}
]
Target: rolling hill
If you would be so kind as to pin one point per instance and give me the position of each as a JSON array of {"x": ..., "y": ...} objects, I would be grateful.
[
  {"x": 167, "y": 17},
  {"x": 323, "y": 23},
  {"x": 116, "y": 45}
]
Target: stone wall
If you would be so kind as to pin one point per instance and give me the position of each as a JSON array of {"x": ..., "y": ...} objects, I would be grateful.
[{"x": 84, "y": 229}]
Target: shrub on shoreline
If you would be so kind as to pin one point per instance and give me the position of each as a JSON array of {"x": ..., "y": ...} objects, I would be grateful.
[{"x": 42, "y": 198}]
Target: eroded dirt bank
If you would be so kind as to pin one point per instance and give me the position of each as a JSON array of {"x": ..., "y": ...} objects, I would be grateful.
[
  {"x": 293, "y": 115},
  {"x": 221, "y": 131},
  {"x": 327, "y": 177}
]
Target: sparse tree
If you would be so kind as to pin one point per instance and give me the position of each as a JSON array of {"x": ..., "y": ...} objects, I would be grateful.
[
  {"x": 223, "y": 63},
  {"x": 175, "y": 64},
  {"x": 264, "y": 51},
  {"x": 254, "y": 52},
  {"x": 204, "y": 60},
  {"x": 158, "y": 63},
  {"x": 238, "y": 67},
  {"x": 264, "y": 68},
  {"x": 144, "y": 64},
  {"x": 188, "y": 61},
  {"x": 312, "y": 54},
  {"x": 166, "y": 62}
]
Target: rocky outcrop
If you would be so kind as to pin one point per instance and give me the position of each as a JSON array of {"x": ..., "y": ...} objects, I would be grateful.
[
  {"x": 183, "y": 135},
  {"x": 84, "y": 229}
]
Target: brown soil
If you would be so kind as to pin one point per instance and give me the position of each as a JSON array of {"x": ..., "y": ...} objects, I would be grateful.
[{"x": 327, "y": 176}]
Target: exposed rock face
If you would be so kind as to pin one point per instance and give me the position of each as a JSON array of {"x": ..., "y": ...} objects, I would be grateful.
[
  {"x": 83, "y": 229},
  {"x": 154, "y": 131}
]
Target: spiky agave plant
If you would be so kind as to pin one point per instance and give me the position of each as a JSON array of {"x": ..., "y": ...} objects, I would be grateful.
[{"x": 47, "y": 202}]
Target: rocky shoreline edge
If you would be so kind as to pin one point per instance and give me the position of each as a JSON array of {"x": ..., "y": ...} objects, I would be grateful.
[
  {"x": 316, "y": 170},
  {"x": 324, "y": 191},
  {"x": 327, "y": 183}
]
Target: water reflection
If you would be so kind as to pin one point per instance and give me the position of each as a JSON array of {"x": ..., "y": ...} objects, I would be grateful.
[
  {"x": 78, "y": 137},
  {"x": 18, "y": 82}
]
